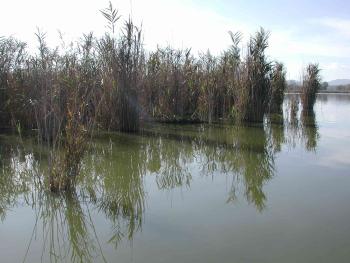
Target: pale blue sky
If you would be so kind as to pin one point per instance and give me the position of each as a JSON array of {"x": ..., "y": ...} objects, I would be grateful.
[{"x": 301, "y": 31}]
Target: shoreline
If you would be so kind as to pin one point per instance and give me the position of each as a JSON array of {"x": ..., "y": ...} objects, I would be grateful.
[{"x": 323, "y": 92}]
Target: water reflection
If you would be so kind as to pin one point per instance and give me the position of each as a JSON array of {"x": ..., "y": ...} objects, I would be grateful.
[
  {"x": 66, "y": 227},
  {"x": 309, "y": 130},
  {"x": 116, "y": 184},
  {"x": 64, "y": 221},
  {"x": 241, "y": 152},
  {"x": 300, "y": 126},
  {"x": 112, "y": 182},
  {"x": 18, "y": 175},
  {"x": 275, "y": 130}
]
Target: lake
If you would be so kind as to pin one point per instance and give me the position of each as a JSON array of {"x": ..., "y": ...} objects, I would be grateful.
[{"x": 278, "y": 192}]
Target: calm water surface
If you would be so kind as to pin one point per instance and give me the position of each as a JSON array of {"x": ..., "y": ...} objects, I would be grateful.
[{"x": 191, "y": 193}]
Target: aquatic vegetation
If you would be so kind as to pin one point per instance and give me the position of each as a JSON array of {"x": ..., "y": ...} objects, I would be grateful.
[
  {"x": 112, "y": 83},
  {"x": 12, "y": 104},
  {"x": 122, "y": 62},
  {"x": 278, "y": 87},
  {"x": 255, "y": 84},
  {"x": 310, "y": 86},
  {"x": 64, "y": 119}
]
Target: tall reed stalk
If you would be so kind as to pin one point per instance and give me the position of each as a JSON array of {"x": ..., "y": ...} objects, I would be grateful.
[
  {"x": 310, "y": 86},
  {"x": 12, "y": 104},
  {"x": 278, "y": 87},
  {"x": 255, "y": 84},
  {"x": 122, "y": 62}
]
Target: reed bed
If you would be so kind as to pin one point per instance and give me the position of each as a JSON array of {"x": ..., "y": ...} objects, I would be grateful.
[
  {"x": 311, "y": 85},
  {"x": 112, "y": 83}
]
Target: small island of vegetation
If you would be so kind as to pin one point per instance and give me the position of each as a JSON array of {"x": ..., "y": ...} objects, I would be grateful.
[{"x": 112, "y": 83}]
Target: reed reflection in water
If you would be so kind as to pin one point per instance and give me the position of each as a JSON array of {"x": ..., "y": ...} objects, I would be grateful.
[{"x": 112, "y": 182}]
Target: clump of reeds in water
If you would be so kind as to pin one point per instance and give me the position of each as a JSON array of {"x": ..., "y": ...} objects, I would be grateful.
[
  {"x": 310, "y": 86},
  {"x": 113, "y": 83},
  {"x": 65, "y": 107},
  {"x": 170, "y": 90},
  {"x": 56, "y": 93},
  {"x": 278, "y": 87},
  {"x": 294, "y": 108},
  {"x": 12, "y": 106},
  {"x": 121, "y": 60},
  {"x": 255, "y": 85}
]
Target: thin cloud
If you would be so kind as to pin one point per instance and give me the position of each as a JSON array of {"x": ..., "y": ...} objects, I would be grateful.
[{"x": 340, "y": 26}]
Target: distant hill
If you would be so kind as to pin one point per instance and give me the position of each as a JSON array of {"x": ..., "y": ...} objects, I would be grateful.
[
  {"x": 339, "y": 82},
  {"x": 337, "y": 85},
  {"x": 335, "y": 82}
]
